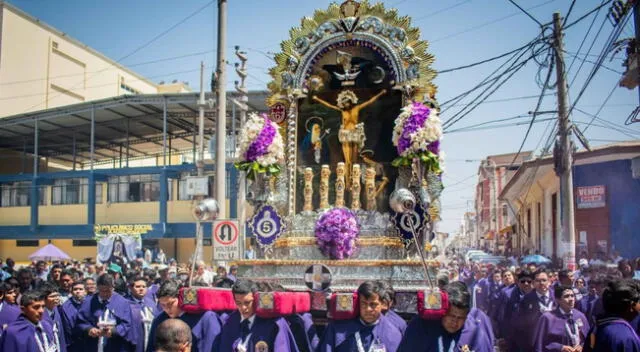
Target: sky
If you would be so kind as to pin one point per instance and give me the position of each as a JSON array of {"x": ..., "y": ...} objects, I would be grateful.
[{"x": 165, "y": 40}]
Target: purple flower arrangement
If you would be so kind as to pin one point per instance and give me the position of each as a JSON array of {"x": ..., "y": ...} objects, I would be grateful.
[
  {"x": 417, "y": 135},
  {"x": 261, "y": 146},
  {"x": 336, "y": 233}
]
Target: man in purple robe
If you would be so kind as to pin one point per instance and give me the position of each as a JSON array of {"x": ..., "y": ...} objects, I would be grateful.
[
  {"x": 69, "y": 310},
  {"x": 613, "y": 333},
  {"x": 143, "y": 310},
  {"x": 106, "y": 318},
  {"x": 591, "y": 304},
  {"x": 52, "y": 314},
  {"x": 304, "y": 332},
  {"x": 564, "y": 329},
  {"x": 463, "y": 328},
  {"x": 205, "y": 327},
  {"x": 532, "y": 306},
  {"x": 371, "y": 331},
  {"x": 388, "y": 311},
  {"x": 509, "y": 312},
  {"x": 246, "y": 332},
  {"x": 29, "y": 333},
  {"x": 8, "y": 312},
  {"x": 481, "y": 290}
]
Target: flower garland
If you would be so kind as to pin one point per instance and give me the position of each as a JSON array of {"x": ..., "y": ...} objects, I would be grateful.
[
  {"x": 261, "y": 146},
  {"x": 417, "y": 134},
  {"x": 336, "y": 233}
]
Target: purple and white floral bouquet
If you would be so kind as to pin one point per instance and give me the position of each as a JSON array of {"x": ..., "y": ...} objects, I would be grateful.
[
  {"x": 261, "y": 147},
  {"x": 336, "y": 233},
  {"x": 417, "y": 134}
]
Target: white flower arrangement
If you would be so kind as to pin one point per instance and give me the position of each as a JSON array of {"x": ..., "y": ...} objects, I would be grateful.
[{"x": 260, "y": 146}]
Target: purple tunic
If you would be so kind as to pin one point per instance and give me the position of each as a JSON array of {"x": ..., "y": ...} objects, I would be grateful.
[
  {"x": 304, "y": 332},
  {"x": 430, "y": 336},
  {"x": 340, "y": 336},
  {"x": 136, "y": 318},
  {"x": 591, "y": 307},
  {"x": 20, "y": 336},
  {"x": 481, "y": 294},
  {"x": 613, "y": 335},
  {"x": 92, "y": 309},
  {"x": 551, "y": 332},
  {"x": 58, "y": 327},
  {"x": 524, "y": 324},
  {"x": 274, "y": 334},
  {"x": 396, "y": 320},
  {"x": 69, "y": 312},
  {"x": 635, "y": 324},
  {"x": 8, "y": 314},
  {"x": 205, "y": 330}
]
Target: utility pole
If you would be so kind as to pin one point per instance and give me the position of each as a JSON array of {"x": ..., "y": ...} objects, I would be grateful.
[
  {"x": 200, "y": 163},
  {"x": 241, "y": 102},
  {"x": 562, "y": 153},
  {"x": 221, "y": 113}
]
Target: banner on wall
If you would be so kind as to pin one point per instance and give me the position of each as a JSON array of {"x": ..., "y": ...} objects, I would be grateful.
[{"x": 591, "y": 197}]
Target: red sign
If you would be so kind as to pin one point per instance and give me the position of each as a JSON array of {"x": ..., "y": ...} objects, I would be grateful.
[
  {"x": 591, "y": 197},
  {"x": 278, "y": 113},
  {"x": 225, "y": 232}
]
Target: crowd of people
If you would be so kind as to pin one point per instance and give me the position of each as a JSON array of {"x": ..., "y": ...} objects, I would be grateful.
[{"x": 83, "y": 307}]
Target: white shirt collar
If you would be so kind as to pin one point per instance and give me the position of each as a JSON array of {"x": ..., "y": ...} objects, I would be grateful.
[
  {"x": 563, "y": 312},
  {"x": 251, "y": 319},
  {"x": 541, "y": 295}
]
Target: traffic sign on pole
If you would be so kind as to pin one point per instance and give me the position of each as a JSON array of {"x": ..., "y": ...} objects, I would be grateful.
[{"x": 225, "y": 240}]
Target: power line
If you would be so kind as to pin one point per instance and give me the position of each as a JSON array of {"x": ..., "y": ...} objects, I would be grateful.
[
  {"x": 535, "y": 112},
  {"x": 595, "y": 63},
  {"x": 464, "y": 129},
  {"x": 440, "y": 11},
  {"x": 526, "y": 13},
  {"x": 131, "y": 53},
  {"x": 488, "y": 23},
  {"x": 524, "y": 97},
  {"x": 484, "y": 61},
  {"x": 573, "y": 2},
  {"x": 114, "y": 68}
]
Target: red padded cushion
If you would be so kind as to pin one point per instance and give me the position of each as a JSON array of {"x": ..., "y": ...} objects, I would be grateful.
[
  {"x": 196, "y": 300},
  {"x": 428, "y": 306},
  {"x": 344, "y": 306},
  {"x": 278, "y": 304}
]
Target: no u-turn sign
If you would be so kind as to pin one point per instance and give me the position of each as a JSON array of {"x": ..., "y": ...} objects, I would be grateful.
[{"x": 225, "y": 239}]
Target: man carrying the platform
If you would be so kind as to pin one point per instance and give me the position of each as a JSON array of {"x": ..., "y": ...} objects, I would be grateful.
[
  {"x": 105, "y": 319},
  {"x": 509, "y": 310},
  {"x": 372, "y": 331},
  {"x": 389, "y": 313},
  {"x": 143, "y": 310},
  {"x": 462, "y": 328},
  {"x": 246, "y": 332},
  {"x": 205, "y": 327},
  {"x": 29, "y": 333}
]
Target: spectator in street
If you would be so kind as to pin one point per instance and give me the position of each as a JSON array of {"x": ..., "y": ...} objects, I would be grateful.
[
  {"x": 203, "y": 277},
  {"x": 26, "y": 280},
  {"x": 12, "y": 292},
  {"x": 250, "y": 253},
  {"x": 41, "y": 270},
  {"x": 624, "y": 266},
  {"x": 66, "y": 280},
  {"x": 90, "y": 286},
  {"x": 233, "y": 273},
  {"x": 8, "y": 312},
  {"x": 161, "y": 258},
  {"x": 173, "y": 335}
]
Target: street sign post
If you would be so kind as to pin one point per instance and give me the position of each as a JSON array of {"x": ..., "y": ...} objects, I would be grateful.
[{"x": 225, "y": 240}]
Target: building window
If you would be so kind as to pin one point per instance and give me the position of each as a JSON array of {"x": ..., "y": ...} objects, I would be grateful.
[
  {"x": 27, "y": 243},
  {"x": 84, "y": 243},
  {"x": 18, "y": 194},
  {"x": 505, "y": 212},
  {"x": 206, "y": 242},
  {"x": 73, "y": 191},
  {"x": 135, "y": 188}
]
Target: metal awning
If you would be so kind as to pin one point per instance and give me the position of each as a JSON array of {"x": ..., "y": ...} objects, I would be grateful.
[{"x": 129, "y": 125}]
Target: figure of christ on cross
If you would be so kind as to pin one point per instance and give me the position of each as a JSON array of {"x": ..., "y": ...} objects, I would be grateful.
[{"x": 351, "y": 134}]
